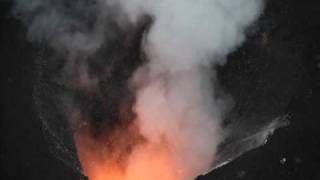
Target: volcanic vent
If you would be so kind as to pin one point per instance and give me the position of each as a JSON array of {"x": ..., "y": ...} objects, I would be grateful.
[{"x": 136, "y": 82}]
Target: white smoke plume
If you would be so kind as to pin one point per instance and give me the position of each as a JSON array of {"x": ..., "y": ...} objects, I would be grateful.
[
  {"x": 178, "y": 112},
  {"x": 176, "y": 102}
]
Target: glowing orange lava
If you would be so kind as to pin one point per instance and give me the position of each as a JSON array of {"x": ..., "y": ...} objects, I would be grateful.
[{"x": 124, "y": 156}]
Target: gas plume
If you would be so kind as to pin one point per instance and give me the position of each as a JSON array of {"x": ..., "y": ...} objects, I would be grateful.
[
  {"x": 176, "y": 128},
  {"x": 175, "y": 103}
]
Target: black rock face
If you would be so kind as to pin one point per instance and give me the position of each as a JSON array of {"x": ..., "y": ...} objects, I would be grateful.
[{"x": 277, "y": 71}]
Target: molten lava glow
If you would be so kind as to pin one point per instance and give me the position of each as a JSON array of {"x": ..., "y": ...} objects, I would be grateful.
[
  {"x": 145, "y": 161},
  {"x": 151, "y": 162}
]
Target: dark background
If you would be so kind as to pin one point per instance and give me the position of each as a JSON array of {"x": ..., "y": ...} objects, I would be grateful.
[{"x": 285, "y": 50}]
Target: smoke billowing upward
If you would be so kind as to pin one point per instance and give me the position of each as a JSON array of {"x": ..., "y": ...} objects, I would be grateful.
[
  {"x": 176, "y": 102},
  {"x": 175, "y": 126}
]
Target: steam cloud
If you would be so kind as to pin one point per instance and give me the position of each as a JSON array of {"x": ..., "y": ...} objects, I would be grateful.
[
  {"x": 176, "y": 102},
  {"x": 178, "y": 112}
]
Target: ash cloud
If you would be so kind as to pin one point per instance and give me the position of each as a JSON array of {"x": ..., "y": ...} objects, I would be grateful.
[
  {"x": 176, "y": 102},
  {"x": 67, "y": 26}
]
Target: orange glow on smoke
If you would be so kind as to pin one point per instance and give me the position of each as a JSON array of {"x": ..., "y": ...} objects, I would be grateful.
[{"x": 124, "y": 155}]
